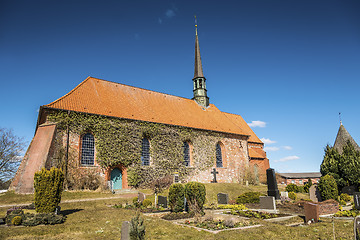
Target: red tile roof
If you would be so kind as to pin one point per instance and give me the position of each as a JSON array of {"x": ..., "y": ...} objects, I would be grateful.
[
  {"x": 257, "y": 153},
  {"x": 97, "y": 96}
]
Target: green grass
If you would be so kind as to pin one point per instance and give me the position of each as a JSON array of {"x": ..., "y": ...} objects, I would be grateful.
[{"x": 96, "y": 220}]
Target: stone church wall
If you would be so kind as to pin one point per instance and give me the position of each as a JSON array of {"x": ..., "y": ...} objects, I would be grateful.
[{"x": 165, "y": 149}]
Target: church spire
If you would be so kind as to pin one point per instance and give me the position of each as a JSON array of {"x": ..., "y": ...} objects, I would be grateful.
[{"x": 200, "y": 92}]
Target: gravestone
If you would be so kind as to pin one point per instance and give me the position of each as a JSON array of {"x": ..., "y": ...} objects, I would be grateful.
[
  {"x": 284, "y": 194},
  {"x": 311, "y": 212},
  {"x": 162, "y": 201},
  {"x": 272, "y": 184},
  {"x": 223, "y": 198},
  {"x": 141, "y": 197},
  {"x": 314, "y": 194},
  {"x": 2, "y": 221},
  {"x": 214, "y": 172},
  {"x": 357, "y": 228},
  {"x": 125, "y": 230},
  {"x": 349, "y": 190},
  {"x": 186, "y": 205},
  {"x": 357, "y": 200},
  {"x": 267, "y": 202}
]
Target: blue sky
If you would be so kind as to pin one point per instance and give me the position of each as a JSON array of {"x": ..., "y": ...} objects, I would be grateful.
[{"x": 287, "y": 67}]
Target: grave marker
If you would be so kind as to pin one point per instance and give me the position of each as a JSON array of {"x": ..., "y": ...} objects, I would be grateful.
[
  {"x": 357, "y": 228},
  {"x": 141, "y": 197},
  {"x": 272, "y": 184},
  {"x": 314, "y": 194},
  {"x": 284, "y": 194},
  {"x": 223, "y": 198},
  {"x": 357, "y": 200},
  {"x": 311, "y": 212},
  {"x": 162, "y": 201},
  {"x": 267, "y": 202},
  {"x": 125, "y": 230},
  {"x": 214, "y": 172}
]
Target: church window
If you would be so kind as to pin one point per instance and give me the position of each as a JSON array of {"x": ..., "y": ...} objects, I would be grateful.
[
  {"x": 145, "y": 152},
  {"x": 200, "y": 83},
  {"x": 186, "y": 150},
  {"x": 219, "y": 161},
  {"x": 87, "y": 149}
]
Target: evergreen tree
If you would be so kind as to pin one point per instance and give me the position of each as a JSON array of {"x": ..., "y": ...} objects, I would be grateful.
[
  {"x": 349, "y": 165},
  {"x": 330, "y": 165}
]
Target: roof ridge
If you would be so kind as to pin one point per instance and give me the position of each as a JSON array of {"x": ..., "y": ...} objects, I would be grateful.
[{"x": 70, "y": 91}]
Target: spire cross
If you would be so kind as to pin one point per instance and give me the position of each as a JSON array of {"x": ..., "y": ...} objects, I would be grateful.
[{"x": 340, "y": 118}]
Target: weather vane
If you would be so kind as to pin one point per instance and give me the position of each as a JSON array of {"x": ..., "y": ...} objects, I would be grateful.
[{"x": 195, "y": 24}]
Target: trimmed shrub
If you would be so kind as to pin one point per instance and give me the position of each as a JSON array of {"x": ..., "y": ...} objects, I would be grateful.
[
  {"x": 328, "y": 188},
  {"x": 146, "y": 203},
  {"x": 12, "y": 213},
  {"x": 248, "y": 197},
  {"x": 308, "y": 185},
  {"x": 137, "y": 228},
  {"x": 292, "y": 195},
  {"x": 195, "y": 194},
  {"x": 43, "y": 218},
  {"x": 48, "y": 187},
  {"x": 292, "y": 188},
  {"x": 176, "y": 197},
  {"x": 301, "y": 189},
  {"x": 345, "y": 197},
  {"x": 16, "y": 220}
]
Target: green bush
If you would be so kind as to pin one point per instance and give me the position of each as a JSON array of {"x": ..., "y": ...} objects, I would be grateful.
[
  {"x": 248, "y": 197},
  {"x": 345, "y": 197},
  {"x": 195, "y": 194},
  {"x": 147, "y": 203},
  {"x": 342, "y": 202},
  {"x": 292, "y": 188},
  {"x": 307, "y": 185},
  {"x": 176, "y": 197},
  {"x": 16, "y": 220},
  {"x": 137, "y": 228},
  {"x": 301, "y": 189},
  {"x": 292, "y": 195},
  {"x": 136, "y": 202},
  {"x": 48, "y": 185},
  {"x": 328, "y": 188},
  {"x": 11, "y": 214},
  {"x": 42, "y": 218}
]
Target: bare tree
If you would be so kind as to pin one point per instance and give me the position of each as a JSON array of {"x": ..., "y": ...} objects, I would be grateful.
[{"x": 11, "y": 148}]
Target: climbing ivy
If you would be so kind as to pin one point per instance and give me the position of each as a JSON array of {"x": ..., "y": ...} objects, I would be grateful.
[{"x": 118, "y": 141}]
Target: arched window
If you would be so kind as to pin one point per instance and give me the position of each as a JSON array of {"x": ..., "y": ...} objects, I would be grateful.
[
  {"x": 186, "y": 151},
  {"x": 219, "y": 161},
  {"x": 87, "y": 149},
  {"x": 145, "y": 152}
]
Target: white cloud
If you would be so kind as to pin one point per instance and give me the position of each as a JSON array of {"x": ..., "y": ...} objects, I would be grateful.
[
  {"x": 288, "y": 158},
  {"x": 160, "y": 20},
  {"x": 170, "y": 13},
  {"x": 287, "y": 147},
  {"x": 267, "y": 141},
  {"x": 257, "y": 124},
  {"x": 273, "y": 149}
]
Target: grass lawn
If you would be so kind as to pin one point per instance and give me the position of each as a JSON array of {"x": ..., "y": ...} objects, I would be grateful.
[{"x": 96, "y": 220}]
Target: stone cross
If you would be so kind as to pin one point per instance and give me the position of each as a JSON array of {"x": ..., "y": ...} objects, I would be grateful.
[{"x": 214, "y": 172}]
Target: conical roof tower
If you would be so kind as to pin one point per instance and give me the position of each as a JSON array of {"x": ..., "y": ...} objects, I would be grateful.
[{"x": 343, "y": 136}]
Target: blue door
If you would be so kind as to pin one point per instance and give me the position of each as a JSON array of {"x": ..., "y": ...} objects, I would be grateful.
[{"x": 116, "y": 178}]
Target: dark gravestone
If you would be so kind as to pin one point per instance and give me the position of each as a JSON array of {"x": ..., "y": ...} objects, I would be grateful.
[
  {"x": 186, "y": 205},
  {"x": 349, "y": 190},
  {"x": 357, "y": 228},
  {"x": 312, "y": 212},
  {"x": 214, "y": 172},
  {"x": 2, "y": 221},
  {"x": 357, "y": 200},
  {"x": 223, "y": 198},
  {"x": 125, "y": 230},
  {"x": 272, "y": 184},
  {"x": 162, "y": 201}
]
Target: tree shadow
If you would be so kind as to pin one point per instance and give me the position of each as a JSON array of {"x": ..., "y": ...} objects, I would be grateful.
[{"x": 70, "y": 211}]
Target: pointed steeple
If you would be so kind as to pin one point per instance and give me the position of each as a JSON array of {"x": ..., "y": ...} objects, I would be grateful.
[
  {"x": 200, "y": 92},
  {"x": 341, "y": 139}
]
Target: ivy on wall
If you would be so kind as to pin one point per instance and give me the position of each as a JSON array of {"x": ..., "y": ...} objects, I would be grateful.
[{"x": 118, "y": 141}]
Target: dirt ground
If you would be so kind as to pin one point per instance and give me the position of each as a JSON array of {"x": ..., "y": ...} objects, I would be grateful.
[{"x": 296, "y": 208}]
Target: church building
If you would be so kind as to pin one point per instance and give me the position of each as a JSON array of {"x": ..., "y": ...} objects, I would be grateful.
[{"x": 113, "y": 135}]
